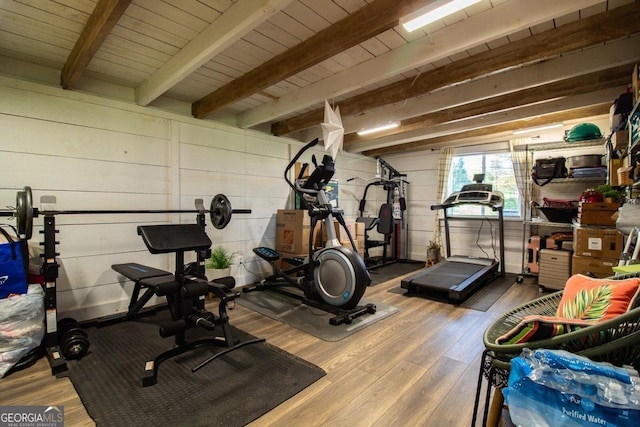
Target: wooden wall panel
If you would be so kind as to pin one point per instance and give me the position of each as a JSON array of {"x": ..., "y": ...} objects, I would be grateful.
[{"x": 94, "y": 153}]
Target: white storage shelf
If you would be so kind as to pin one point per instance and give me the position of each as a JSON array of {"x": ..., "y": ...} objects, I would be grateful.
[{"x": 559, "y": 188}]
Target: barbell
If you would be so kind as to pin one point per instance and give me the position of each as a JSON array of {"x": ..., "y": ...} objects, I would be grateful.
[{"x": 220, "y": 211}]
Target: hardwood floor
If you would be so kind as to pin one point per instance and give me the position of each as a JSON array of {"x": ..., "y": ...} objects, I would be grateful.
[{"x": 417, "y": 367}]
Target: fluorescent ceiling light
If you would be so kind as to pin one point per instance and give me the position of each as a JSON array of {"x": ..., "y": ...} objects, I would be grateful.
[
  {"x": 379, "y": 128},
  {"x": 537, "y": 128},
  {"x": 432, "y": 12}
]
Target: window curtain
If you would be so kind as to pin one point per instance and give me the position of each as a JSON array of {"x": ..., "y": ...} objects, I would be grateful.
[
  {"x": 444, "y": 166},
  {"x": 522, "y": 159}
]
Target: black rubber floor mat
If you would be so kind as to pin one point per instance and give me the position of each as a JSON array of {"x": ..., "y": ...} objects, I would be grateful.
[
  {"x": 232, "y": 390},
  {"x": 391, "y": 271}
]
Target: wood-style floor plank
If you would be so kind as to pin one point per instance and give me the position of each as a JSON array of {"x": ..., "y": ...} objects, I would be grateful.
[{"x": 416, "y": 367}]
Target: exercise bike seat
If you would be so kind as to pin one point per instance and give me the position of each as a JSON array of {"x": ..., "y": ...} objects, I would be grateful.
[{"x": 267, "y": 254}]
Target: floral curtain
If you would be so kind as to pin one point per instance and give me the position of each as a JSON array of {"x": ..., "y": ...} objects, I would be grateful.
[
  {"x": 444, "y": 165},
  {"x": 522, "y": 159}
]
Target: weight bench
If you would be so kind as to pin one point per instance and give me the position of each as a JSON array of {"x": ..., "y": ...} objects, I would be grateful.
[
  {"x": 142, "y": 277},
  {"x": 185, "y": 294}
]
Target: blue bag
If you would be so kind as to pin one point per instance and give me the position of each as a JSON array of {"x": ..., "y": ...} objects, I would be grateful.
[{"x": 13, "y": 278}]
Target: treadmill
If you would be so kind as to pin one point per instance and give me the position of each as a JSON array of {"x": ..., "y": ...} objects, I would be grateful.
[{"x": 457, "y": 277}]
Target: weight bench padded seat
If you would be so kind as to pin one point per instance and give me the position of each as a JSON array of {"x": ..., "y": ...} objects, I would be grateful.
[
  {"x": 137, "y": 272},
  {"x": 143, "y": 277},
  {"x": 161, "y": 239}
]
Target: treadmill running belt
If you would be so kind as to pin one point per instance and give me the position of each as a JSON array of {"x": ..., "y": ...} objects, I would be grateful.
[
  {"x": 450, "y": 274},
  {"x": 451, "y": 280}
]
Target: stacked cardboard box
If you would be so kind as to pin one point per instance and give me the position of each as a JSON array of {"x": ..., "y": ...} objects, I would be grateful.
[
  {"x": 356, "y": 229},
  {"x": 292, "y": 235},
  {"x": 597, "y": 213},
  {"x": 597, "y": 250}
]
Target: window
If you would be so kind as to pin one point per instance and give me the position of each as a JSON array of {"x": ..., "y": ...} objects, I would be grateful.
[{"x": 498, "y": 171}]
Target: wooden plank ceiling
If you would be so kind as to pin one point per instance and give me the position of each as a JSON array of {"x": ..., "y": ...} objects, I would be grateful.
[{"x": 497, "y": 66}]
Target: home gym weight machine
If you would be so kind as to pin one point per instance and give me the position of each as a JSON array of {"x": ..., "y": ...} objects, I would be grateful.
[
  {"x": 391, "y": 221},
  {"x": 334, "y": 278},
  {"x": 220, "y": 213}
]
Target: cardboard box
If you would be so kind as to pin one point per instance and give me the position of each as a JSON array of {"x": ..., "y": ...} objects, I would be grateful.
[
  {"x": 624, "y": 175},
  {"x": 321, "y": 234},
  {"x": 359, "y": 245},
  {"x": 355, "y": 229},
  {"x": 620, "y": 140},
  {"x": 600, "y": 267},
  {"x": 612, "y": 169},
  {"x": 283, "y": 264},
  {"x": 598, "y": 242},
  {"x": 292, "y": 231},
  {"x": 597, "y": 213}
]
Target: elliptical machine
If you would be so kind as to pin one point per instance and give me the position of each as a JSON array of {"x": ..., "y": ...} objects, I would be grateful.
[{"x": 333, "y": 278}]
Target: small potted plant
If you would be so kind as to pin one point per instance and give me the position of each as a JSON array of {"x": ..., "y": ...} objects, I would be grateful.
[
  {"x": 220, "y": 262},
  {"x": 610, "y": 194},
  {"x": 433, "y": 252}
]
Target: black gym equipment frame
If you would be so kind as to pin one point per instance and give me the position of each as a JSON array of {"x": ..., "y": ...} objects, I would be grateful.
[
  {"x": 220, "y": 213},
  {"x": 457, "y": 277},
  {"x": 319, "y": 290},
  {"x": 394, "y": 230}
]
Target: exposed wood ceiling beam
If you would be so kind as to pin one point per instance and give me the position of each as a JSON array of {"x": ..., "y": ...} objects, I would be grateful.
[
  {"x": 242, "y": 17},
  {"x": 577, "y": 113},
  {"x": 102, "y": 20},
  {"x": 614, "y": 77},
  {"x": 611, "y": 25},
  {"x": 361, "y": 25},
  {"x": 496, "y": 118},
  {"x": 619, "y": 52},
  {"x": 503, "y": 19}
]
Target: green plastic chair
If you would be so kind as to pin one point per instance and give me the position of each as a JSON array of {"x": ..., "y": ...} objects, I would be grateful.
[{"x": 616, "y": 341}]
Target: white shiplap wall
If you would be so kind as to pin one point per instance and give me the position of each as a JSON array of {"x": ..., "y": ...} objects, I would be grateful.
[{"x": 96, "y": 153}]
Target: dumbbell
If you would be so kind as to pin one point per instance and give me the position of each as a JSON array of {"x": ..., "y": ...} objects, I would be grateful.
[{"x": 74, "y": 341}]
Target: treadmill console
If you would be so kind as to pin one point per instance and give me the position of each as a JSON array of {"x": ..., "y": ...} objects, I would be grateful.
[
  {"x": 477, "y": 187},
  {"x": 494, "y": 199}
]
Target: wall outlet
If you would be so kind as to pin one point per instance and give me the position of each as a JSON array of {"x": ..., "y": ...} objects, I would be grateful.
[{"x": 240, "y": 259}]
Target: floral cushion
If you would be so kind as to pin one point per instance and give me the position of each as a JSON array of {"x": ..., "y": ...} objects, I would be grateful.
[
  {"x": 585, "y": 301},
  {"x": 535, "y": 328},
  {"x": 595, "y": 300}
]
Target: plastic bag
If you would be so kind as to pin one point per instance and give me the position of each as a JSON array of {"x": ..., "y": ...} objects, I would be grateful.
[
  {"x": 21, "y": 326},
  {"x": 558, "y": 388}
]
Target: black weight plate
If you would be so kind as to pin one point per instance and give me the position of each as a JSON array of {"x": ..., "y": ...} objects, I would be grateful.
[
  {"x": 71, "y": 333},
  {"x": 220, "y": 211},
  {"x": 66, "y": 324},
  {"x": 75, "y": 347},
  {"x": 24, "y": 212},
  {"x": 29, "y": 205}
]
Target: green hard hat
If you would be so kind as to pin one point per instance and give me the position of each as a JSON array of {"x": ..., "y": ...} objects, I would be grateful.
[{"x": 583, "y": 132}]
